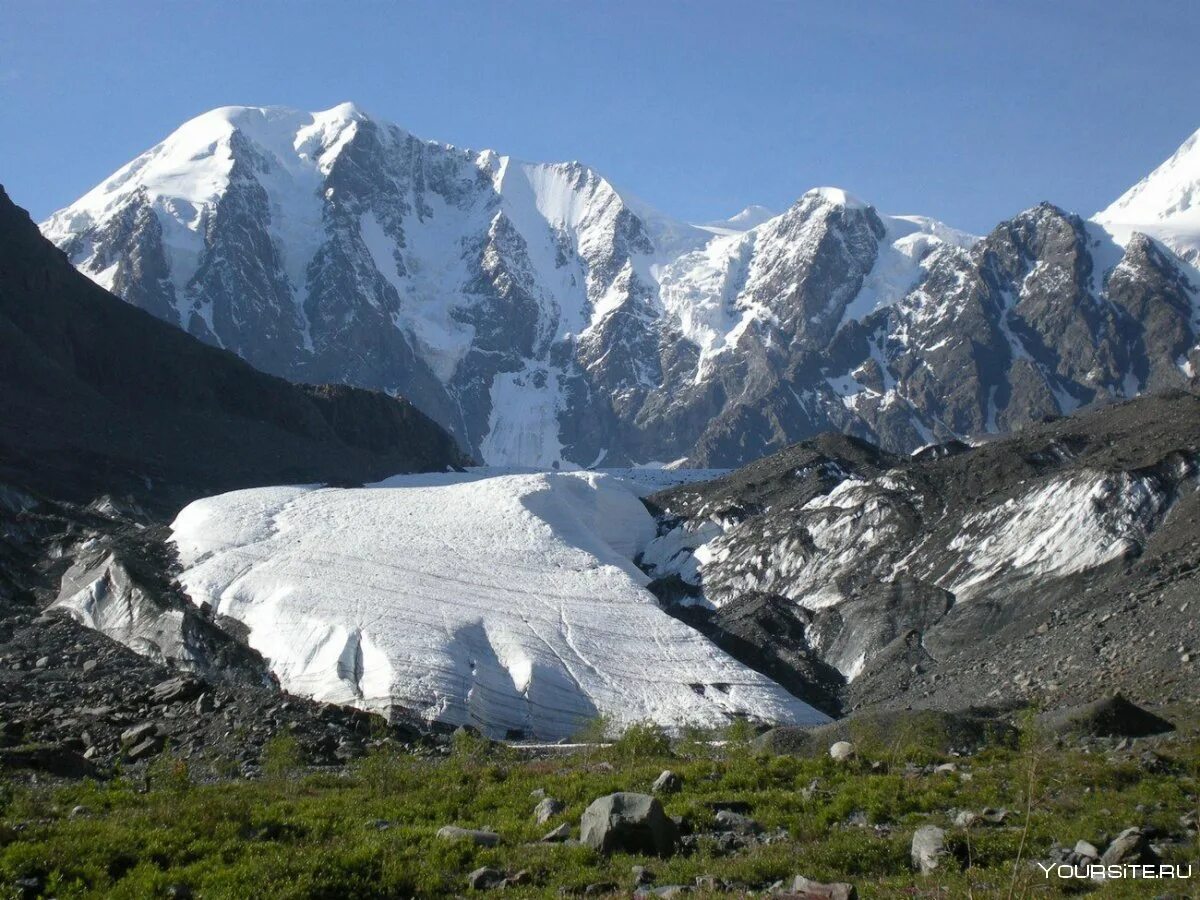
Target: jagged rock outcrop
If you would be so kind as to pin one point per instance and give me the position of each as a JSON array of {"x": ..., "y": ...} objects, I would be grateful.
[{"x": 1017, "y": 569}]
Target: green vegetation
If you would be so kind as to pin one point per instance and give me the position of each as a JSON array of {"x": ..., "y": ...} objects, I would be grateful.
[{"x": 371, "y": 832}]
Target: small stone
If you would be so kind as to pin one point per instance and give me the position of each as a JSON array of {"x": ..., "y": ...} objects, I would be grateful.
[
  {"x": 151, "y": 746},
  {"x": 842, "y": 751},
  {"x": 519, "y": 879},
  {"x": 558, "y": 835},
  {"x": 1130, "y": 846},
  {"x": 965, "y": 819},
  {"x": 77, "y": 811},
  {"x": 89, "y": 666},
  {"x": 485, "y": 879},
  {"x": 477, "y": 837},
  {"x": 667, "y": 783},
  {"x": 642, "y": 876},
  {"x": 727, "y": 820},
  {"x": 945, "y": 769},
  {"x": 1083, "y": 848},
  {"x": 547, "y": 810},
  {"x": 42, "y": 662}
]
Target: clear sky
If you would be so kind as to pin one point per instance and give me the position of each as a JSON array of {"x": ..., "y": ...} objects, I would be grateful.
[{"x": 967, "y": 110}]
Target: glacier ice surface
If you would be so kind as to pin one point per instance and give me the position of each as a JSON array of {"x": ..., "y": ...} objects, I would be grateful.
[{"x": 509, "y": 601}]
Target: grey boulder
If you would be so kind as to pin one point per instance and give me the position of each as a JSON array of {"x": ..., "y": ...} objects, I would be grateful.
[
  {"x": 928, "y": 848},
  {"x": 635, "y": 823}
]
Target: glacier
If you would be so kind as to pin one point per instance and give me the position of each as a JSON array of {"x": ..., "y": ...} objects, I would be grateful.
[{"x": 507, "y": 601}]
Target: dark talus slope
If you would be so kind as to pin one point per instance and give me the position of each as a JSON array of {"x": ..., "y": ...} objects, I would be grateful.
[
  {"x": 99, "y": 397},
  {"x": 101, "y": 400},
  {"x": 1057, "y": 565}
]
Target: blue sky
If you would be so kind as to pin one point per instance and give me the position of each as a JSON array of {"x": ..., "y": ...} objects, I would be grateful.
[{"x": 967, "y": 111}]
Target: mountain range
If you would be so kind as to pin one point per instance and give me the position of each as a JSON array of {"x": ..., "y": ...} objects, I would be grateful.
[{"x": 544, "y": 317}]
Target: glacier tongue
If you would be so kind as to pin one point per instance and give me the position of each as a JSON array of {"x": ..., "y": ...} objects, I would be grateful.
[{"x": 506, "y": 601}]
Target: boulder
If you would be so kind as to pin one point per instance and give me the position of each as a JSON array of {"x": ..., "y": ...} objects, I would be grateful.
[
  {"x": 150, "y": 746},
  {"x": 557, "y": 835},
  {"x": 727, "y": 820},
  {"x": 138, "y": 733},
  {"x": 177, "y": 690},
  {"x": 841, "y": 751},
  {"x": 547, "y": 809},
  {"x": 484, "y": 879},
  {"x": 519, "y": 879},
  {"x": 667, "y": 783},
  {"x": 805, "y": 889},
  {"x": 928, "y": 848},
  {"x": 1130, "y": 846},
  {"x": 631, "y": 822}
]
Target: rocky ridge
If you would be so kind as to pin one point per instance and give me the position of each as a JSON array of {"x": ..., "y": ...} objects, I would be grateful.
[{"x": 1049, "y": 567}]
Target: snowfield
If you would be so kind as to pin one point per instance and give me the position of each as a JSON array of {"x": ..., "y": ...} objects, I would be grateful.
[{"x": 507, "y": 601}]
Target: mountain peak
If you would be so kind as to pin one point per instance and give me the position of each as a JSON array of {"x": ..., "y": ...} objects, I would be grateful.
[
  {"x": 836, "y": 197},
  {"x": 1169, "y": 193},
  {"x": 750, "y": 217}
]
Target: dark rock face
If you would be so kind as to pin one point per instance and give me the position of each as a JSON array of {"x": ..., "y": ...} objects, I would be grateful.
[
  {"x": 1014, "y": 571},
  {"x": 97, "y": 397}
]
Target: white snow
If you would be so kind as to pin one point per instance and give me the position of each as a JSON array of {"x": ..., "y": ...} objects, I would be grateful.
[
  {"x": 898, "y": 267},
  {"x": 509, "y": 601},
  {"x": 1164, "y": 205},
  {"x": 523, "y": 425},
  {"x": 750, "y": 217},
  {"x": 1063, "y": 526}
]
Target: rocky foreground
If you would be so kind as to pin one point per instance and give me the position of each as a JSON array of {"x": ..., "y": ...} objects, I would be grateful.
[{"x": 896, "y": 805}]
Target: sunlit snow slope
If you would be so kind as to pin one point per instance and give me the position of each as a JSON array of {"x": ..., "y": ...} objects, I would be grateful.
[{"x": 509, "y": 602}]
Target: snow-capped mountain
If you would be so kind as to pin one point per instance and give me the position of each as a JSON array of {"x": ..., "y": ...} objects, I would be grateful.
[{"x": 546, "y": 317}]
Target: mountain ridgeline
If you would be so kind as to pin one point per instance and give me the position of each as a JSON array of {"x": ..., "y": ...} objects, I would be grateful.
[{"x": 544, "y": 317}]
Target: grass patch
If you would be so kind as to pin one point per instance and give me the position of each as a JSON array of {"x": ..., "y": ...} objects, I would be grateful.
[{"x": 371, "y": 831}]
